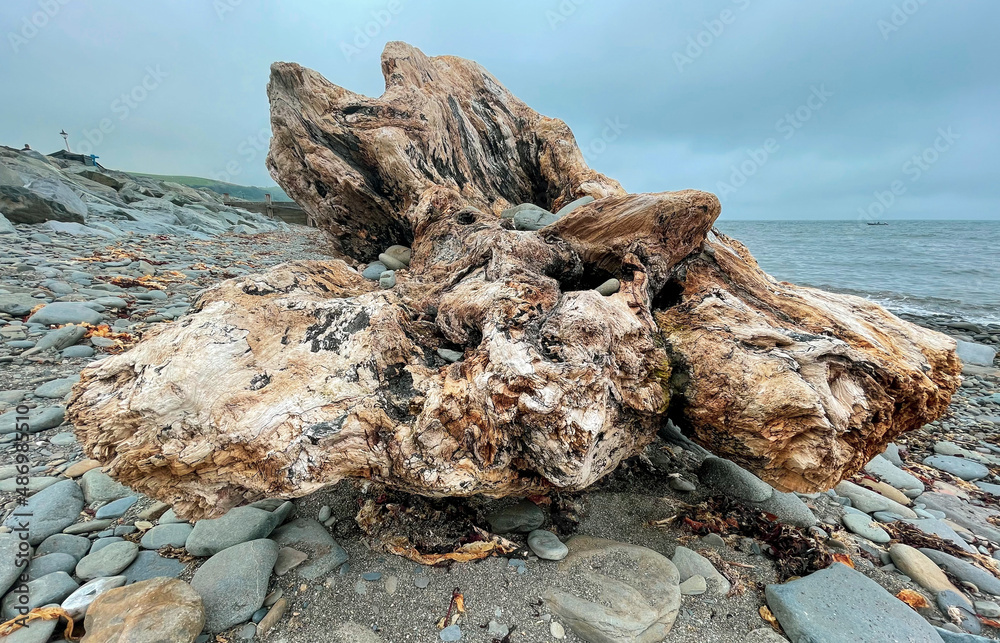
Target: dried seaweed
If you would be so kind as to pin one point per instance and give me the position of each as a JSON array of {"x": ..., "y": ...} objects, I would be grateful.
[
  {"x": 429, "y": 531},
  {"x": 795, "y": 552}
]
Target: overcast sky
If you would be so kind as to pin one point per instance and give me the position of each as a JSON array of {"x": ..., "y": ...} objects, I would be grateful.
[{"x": 785, "y": 109}]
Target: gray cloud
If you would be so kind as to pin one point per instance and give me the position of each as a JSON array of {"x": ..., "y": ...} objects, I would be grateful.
[{"x": 696, "y": 88}]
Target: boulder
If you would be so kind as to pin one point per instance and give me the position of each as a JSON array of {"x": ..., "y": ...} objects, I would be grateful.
[
  {"x": 976, "y": 354},
  {"x": 21, "y": 205},
  {"x": 165, "y": 610},
  {"x": 840, "y": 604},
  {"x": 65, "y": 312},
  {"x": 233, "y": 583},
  {"x": 51, "y": 510},
  {"x": 637, "y": 604}
]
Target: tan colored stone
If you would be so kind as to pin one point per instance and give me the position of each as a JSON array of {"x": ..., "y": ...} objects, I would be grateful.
[
  {"x": 887, "y": 490},
  {"x": 272, "y": 617},
  {"x": 922, "y": 569},
  {"x": 166, "y": 610},
  {"x": 77, "y": 469}
]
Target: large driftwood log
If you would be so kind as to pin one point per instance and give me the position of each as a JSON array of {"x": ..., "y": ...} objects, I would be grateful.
[
  {"x": 287, "y": 381},
  {"x": 799, "y": 385}
]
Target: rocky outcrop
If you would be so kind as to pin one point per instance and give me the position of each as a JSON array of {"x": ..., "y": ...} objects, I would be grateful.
[
  {"x": 484, "y": 360},
  {"x": 63, "y": 194},
  {"x": 20, "y": 205}
]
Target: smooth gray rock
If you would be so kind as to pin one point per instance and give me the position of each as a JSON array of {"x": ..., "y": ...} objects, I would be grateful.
[
  {"x": 39, "y": 419},
  {"x": 838, "y": 604},
  {"x": 573, "y": 205},
  {"x": 60, "y": 339},
  {"x": 788, "y": 508},
  {"x": 52, "y": 588},
  {"x": 374, "y": 270},
  {"x": 964, "y": 570},
  {"x": 523, "y": 207},
  {"x": 75, "y": 546},
  {"x": 401, "y": 254},
  {"x": 233, "y": 583},
  {"x": 52, "y": 510},
  {"x": 869, "y": 502},
  {"x": 51, "y": 563},
  {"x": 87, "y": 527},
  {"x": 864, "y": 527},
  {"x": 109, "y": 561},
  {"x": 33, "y": 484},
  {"x": 9, "y": 570},
  {"x": 65, "y": 312},
  {"x": 101, "y": 543},
  {"x": 100, "y": 487},
  {"x": 961, "y": 637},
  {"x": 962, "y": 467},
  {"x": 117, "y": 508},
  {"x": 17, "y": 304},
  {"x": 973, "y": 518},
  {"x": 312, "y": 538},
  {"x": 6, "y": 227},
  {"x": 891, "y": 454},
  {"x": 533, "y": 219},
  {"x": 78, "y": 351},
  {"x": 57, "y": 389},
  {"x": 609, "y": 287},
  {"x": 729, "y": 477},
  {"x": 547, "y": 545},
  {"x": 523, "y": 517},
  {"x": 236, "y": 526},
  {"x": 948, "y": 601},
  {"x": 891, "y": 474},
  {"x": 149, "y": 564},
  {"x": 390, "y": 262},
  {"x": 690, "y": 563},
  {"x": 387, "y": 279},
  {"x": 169, "y": 535},
  {"x": 636, "y": 604},
  {"x": 976, "y": 354},
  {"x": 449, "y": 355}
]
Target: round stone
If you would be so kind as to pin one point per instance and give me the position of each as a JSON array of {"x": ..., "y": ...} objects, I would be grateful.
[
  {"x": 107, "y": 561},
  {"x": 547, "y": 545},
  {"x": 863, "y": 526}
]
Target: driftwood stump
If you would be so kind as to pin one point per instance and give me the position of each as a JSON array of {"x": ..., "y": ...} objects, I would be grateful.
[{"x": 284, "y": 382}]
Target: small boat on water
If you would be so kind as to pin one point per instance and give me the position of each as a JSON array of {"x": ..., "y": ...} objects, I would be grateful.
[{"x": 877, "y": 223}]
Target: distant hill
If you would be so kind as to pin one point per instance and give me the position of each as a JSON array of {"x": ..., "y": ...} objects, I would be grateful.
[{"x": 242, "y": 192}]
